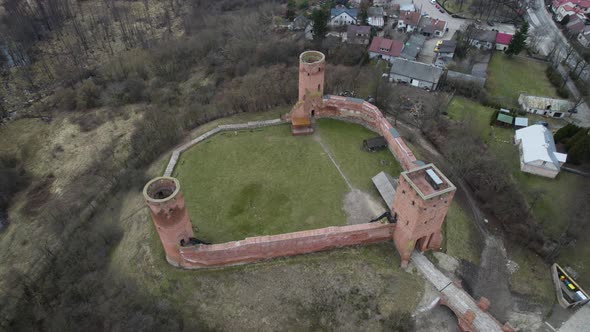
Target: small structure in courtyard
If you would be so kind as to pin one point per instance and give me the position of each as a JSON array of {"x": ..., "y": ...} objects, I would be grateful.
[
  {"x": 537, "y": 151},
  {"x": 375, "y": 144}
]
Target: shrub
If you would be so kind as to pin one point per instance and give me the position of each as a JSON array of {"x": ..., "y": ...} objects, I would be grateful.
[
  {"x": 65, "y": 99},
  {"x": 127, "y": 92},
  {"x": 87, "y": 95},
  {"x": 562, "y": 92}
]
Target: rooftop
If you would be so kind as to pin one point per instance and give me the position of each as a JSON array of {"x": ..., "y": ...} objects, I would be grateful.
[
  {"x": 386, "y": 46},
  {"x": 413, "y": 47},
  {"x": 503, "y": 38},
  {"x": 417, "y": 70},
  {"x": 537, "y": 144},
  {"x": 337, "y": 11},
  {"x": 484, "y": 35},
  {"x": 417, "y": 179},
  {"x": 537, "y": 102}
]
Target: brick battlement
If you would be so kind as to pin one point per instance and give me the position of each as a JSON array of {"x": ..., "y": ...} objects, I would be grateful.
[{"x": 259, "y": 248}]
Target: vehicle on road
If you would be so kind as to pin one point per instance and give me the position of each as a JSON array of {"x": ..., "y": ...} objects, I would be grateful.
[
  {"x": 437, "y": 6},
  {"x": 441, "y": 10},
  {"x": 438, "y": 43}
]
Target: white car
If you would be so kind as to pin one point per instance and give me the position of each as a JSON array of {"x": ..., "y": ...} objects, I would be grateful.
[{"x": 433, "y": 1}]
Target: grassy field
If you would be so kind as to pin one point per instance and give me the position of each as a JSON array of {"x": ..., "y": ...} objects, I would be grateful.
[
  {"x": 549, "y": 199},
  {"x": 576, "y": 256},
  {"x": 262, "y": 182},
  {"x": 345, "y": 141},
  {"x": 453, "y": 7},
  {"x": 509, "y": 77},
  {"x": 532, "y": 278},
  {"x": 461, "y": 236}
]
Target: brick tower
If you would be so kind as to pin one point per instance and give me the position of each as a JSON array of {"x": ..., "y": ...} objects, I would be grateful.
[
  {"x": 311, "y": 89},
  {"x": 420, "y": 205},
  {"x": 162, "y": 195}
]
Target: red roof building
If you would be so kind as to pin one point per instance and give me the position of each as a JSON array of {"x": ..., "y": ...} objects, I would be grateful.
[
  {"x": 386, "y": 48},
  {"x": 503, "y": 38}
]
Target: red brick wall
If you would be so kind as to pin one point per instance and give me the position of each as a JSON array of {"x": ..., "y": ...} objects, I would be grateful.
[
  {"x": 266, "y": 247},
  {"x": 368, "y": 114}
]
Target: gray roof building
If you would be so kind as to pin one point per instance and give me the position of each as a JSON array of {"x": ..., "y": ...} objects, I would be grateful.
[
  {"x": 416, "y": 71},
  {"x": 484, "y": 35},
  {"x": 413, "y": 47}
]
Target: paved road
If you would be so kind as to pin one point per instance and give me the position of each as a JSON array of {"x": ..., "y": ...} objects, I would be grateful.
[{"x": 541, "y": 21}]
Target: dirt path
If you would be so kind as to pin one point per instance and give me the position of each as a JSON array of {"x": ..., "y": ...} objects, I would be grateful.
[
  {"x": 493, "y": 278},
  {"x": 359, "y": 206},
  {"x": 318, "y": 138}
]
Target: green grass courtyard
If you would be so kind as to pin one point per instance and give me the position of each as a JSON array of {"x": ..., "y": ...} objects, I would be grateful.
[{"x": 262, "y": 182}]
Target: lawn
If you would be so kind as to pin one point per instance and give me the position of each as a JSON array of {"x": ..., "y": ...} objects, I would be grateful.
[
  {"x": 263, "y": 182},
  {"x": 508, "y": 77},
  {"x": 532, "y": 277},
  {"x": 461, "y": 237},
  {"x": 547, "y": 196},
  {"x": 345, "y": 141}
]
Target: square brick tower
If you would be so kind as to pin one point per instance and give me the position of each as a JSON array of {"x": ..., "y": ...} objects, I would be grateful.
[
  {"x": 420, "y": 205},
  {"x": 311, "y": 89}
]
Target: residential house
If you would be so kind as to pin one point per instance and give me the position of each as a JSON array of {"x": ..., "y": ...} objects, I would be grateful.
[
  {"x": 299, "y": 23},
  {"x": 568, "y": 9},
  {"x": 445, "y": 52},
  {"x": 584, "y": 37},
  {"x": 413, "y": 47},
  {"x": 358, "y": 34},
  {"x": 407, "y": 7},
  {"x": 502, "y": 41},
  {"x": 430, "y": 27},
  {"x": 343, "y": 16},
  {"x": 408, "y": 21},
  {"x": 483, "y": 39},
  {"x": 582, "y": 4},
  {"x": 575, "y": 25},
  {"x": 537, "y": 151},
  {"x": 376, "y": 17},
  {"x": 415, "y": 73},
  {"x": 556, "y": 108},
  {"x": 382, "y": 3},
  {"x": 387, "y": 49}
]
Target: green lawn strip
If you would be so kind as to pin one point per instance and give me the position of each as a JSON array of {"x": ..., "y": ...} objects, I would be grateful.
[
  {"x": 577, "y": 257},
  {"x": 263, "y": 182},
  {"x": 508, "y": 77},
  {"x": 461, "y": 235},
  {"x": 532, "y": 278},
  {"x": 345, "y": 141}
]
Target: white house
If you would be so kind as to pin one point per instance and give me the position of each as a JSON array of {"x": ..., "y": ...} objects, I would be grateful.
[
  {"x": 556, "y": 108},
  {"x": 537, "y": 151},
  {"x": 343, "y": 16}
]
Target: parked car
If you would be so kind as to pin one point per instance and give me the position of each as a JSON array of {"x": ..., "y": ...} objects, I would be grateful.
[
  {"x": 425, "y": 14},
  {"x": 455, "y": 16},
  {"x": 433, "y": 1},
  {"x": 542, "y": 123},
  {"x": 437, "y": 6},
  {"x": 490, "y": 23},
  {"x": 441, "y": 10}
]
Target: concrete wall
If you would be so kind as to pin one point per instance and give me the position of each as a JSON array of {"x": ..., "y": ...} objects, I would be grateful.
[{"x": 266, "y": 247}]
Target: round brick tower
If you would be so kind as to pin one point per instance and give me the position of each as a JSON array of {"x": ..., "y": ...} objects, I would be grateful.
[
  {"x": 164, "y": 199},
  {"x": 311, "y": 73}
]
